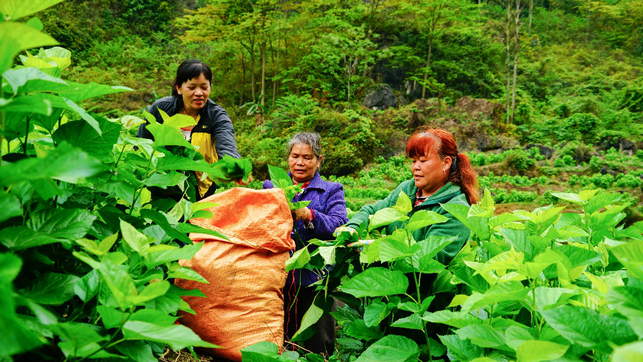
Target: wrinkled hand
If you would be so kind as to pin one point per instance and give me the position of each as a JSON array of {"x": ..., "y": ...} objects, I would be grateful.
[{"x": 304, "y": 214}]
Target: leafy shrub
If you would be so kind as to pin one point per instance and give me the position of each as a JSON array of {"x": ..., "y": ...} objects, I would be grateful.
[{"x": 520, "y": 160}]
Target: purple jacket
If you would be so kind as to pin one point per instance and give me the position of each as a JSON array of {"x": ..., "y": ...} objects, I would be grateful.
[{"x": 329, "y": 207}]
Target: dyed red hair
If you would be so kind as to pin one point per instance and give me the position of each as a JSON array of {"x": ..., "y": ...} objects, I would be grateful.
[{"x": 443, "y": 144}]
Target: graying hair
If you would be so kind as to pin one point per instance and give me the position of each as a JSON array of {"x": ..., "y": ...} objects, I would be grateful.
[{"x": 312, "y": 139}]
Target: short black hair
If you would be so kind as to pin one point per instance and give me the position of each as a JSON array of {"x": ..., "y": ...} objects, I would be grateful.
[{"x": 190, "y": 69}]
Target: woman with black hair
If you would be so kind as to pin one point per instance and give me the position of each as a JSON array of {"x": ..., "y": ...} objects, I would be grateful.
[{"x": 213, "y": 134}]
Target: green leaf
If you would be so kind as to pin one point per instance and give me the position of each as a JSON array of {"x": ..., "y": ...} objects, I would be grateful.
[
  {"x": 515, "y": 336},
  {"x": 423, "y": 218},
  {"x": 60, "y": 223},
  {"x": 479, "y": 226},
  {"x": 589, "y": 328},
  {"x": 548, "y": 298},
  {"x": 27, "y": 80},
  {"x": 450, "y": 318},
  {"x": 82, "y": 135},
  {"x": 298, "y": 260},
  {"x": 165, "y": 135},
  {"x": 10, "y": 266},
  {"x": 187, "y": 274},
  {"x": 134, "y": 238},
  {"x": 359, "y": 330},
  {"x": 629, "y": 302},
  {"x": 65, "y": 163},
  {"x": 16, "y": 337},
  {"x": 155, "y": 258},
  {"x": 376, "y": 312},
  {"x": 536, "y": 351},
  {"x": 79, "y": 92},
  {"x": 263, "y": 352},
  {"x": 16, "y": 9},
  {"x": 386, "y": 216},
  {"x": 519, "y": 239},
  {"x": 51, "y": 288},
  {"x": 151, "y": 291},
  {"x": 573, "y": 198},
  {"x": 21, "y": 237},
  {"x": 509, "y": 291},
  {"x": 16, "y": 37},
  {"x": 631, "y": 352},
  {"x": 279, "y": 177},
  {"x": 78, "y": 339},
  {"x": 403, "y": 203},
  {"x": 177, "y": 336},
  {"x": 230, "y": 168},
  {"x": 137, "y": 351},
  {"x": 376, "y": 282},
  {"x": 87, "y": 287},
  {"x": 411, "y": 322},
  {"x": 482, "y": 335},
  {"x": 391, "y": 348},
  {"x": 190, "y": 228},
  {"x": 317, "y": 309},
  {"x": 395, "y": 247},
  {"x": 161, "y": 220},
  {"x": 631, "y": 256},
  {"x": 10, "y": 206},
  {"x": 463, "y": 350}
]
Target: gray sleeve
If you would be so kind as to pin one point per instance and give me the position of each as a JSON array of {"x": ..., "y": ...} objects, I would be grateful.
[{"x": 223, "y": 133}]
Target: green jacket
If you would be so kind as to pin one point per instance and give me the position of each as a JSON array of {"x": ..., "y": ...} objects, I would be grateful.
[{"x": 447, "y": 194}]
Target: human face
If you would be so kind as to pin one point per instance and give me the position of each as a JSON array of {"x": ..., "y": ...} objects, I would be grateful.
[
  {"x": 430, "y": 172},
  {"x": 302, "y": 163},
  {"x": 195, "y": 93}
]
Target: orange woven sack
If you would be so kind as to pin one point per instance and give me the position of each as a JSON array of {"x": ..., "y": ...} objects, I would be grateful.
[{"x": 244, "y": 300}]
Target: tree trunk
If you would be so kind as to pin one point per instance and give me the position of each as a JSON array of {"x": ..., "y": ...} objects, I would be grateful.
[
  {"x": 428, "y": 64},
  {"x": 516, "y": 47}
]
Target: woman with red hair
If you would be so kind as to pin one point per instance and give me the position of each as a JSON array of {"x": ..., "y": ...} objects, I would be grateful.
[{"x": 441, "y": 175}]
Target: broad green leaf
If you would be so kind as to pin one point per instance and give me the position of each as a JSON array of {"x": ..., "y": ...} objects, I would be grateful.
[
  {"x": 376, "y": 282},
  {"x": 65, "y": 163},
  {"x": 80, "y": 92},
  {"x": 395, "y": 247},
  {"x": 519, "y": 239},
  {"x": 482, "y": 335},
  {"x": 187, "y": 274},
  {"x": 578, "y": 256},
  {"x": 509, "y": 291},
  {"x": 548, "y": 298},
  {"x": 187, "y": 252},
  {"x": 386, "y": 216},
  {"x": 601, "y": 200},
  {"x": 479, "y": 211},
  {"x": 515, "y": 336},
  {"x": 298, "y": 260},
  {"x": 588, "y": 328},
  {"x": 21, "y": 237},
  {"x": 629, "y": 302},
  {"x": 328, "y": 253},
  {"x": 173, "y": 163},
  {"x": 16, "y": 9},
  {"x": 479, "y": 226},
  {"x": 230, "y": 168},
  {"x": 87, "y": 287},
  {"x": 161, "y": 220},
  {"x": 450, "y": 318},
  {"x": 358, "y": 329},
  {"x": 112, "y": 318},
  {"x": 60, "y": 223},
  {"x": 78, "y": 339},
  {"x": 263, "y": 352},
  {"x": 317, "y": 309},
  {"x": 423, "y": 218},
  {"x": 376, "y": 312},
  {"x": 191, "y": 228},
  {"x": 82, "y": 135},
  {"x": 10, "y": 206},
  {"x": 118, "y": 281},
  {"x": 165, "y": 135},
  {"x": 631, "y": 256},
  {"x": 463, "y": 350},
  {"x": 391, "y": 348},
  {"x": 27, "y": 80},
  {"x": 631, "y": 352},
  {"x": 537, "y": 351},
  {"x": 137, "y": 351},
  {"x": 573, "y": 198},
  {"x": 51, "y": 288},
  {"x": 411, "y": 322},
  {"x": 16, "y": 37},
  {"x": 10, "y": 266},
  {"x": 151, "y": 291},
  {"x": 403, "y": 203},
  {"x": 134, "y": 238},
  {"x": 16, "y": 337},
  {"x": 177, "y": 336},
  {"x": 279, "y": 177}
]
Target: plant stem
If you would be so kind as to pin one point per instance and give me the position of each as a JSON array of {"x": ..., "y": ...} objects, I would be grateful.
[{"x": 24, "y": 144}]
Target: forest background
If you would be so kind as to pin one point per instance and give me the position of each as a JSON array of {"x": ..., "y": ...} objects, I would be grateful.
[{"x": 543, "y": 95}]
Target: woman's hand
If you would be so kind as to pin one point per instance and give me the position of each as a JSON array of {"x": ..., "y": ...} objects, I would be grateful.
[{"x": 304, "y": 214}]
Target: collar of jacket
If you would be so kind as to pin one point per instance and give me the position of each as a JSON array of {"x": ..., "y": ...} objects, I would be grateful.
[
  {"x": 445, "y": 193},
  {"x": 315, "y": 183}
]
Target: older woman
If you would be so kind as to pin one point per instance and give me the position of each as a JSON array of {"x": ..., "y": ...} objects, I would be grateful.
[
  {"x": 441, "y": 175},
  {"x": 213, "y": 134},
  {"x": 326, "y": 212}
]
